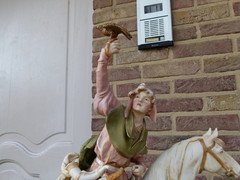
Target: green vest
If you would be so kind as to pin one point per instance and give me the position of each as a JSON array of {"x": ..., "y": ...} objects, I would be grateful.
[
  {"x": 121, "y": 133},
  {"x": 87, "y": 154}
]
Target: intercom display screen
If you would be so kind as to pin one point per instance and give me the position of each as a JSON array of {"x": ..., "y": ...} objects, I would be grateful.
[{"x": 153, "y": 8}]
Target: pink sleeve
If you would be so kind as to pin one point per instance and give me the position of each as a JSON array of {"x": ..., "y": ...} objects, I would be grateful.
[{"x": 104, "y": 100}]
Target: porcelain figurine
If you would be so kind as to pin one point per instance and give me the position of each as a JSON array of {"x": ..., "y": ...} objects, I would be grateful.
[
  {"x": 122, "y": 141},
  {"x": 188, "y": 158}
]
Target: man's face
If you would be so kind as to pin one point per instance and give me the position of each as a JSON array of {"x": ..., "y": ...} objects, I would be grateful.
[{"x": 142, "y": 102}]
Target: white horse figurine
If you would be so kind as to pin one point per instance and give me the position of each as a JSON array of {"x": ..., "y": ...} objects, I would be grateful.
[
  {"x": 186, "y": 159},
  {"x": 183, "y": 161}
]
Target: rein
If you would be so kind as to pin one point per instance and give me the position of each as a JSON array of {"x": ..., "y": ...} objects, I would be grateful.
[{"x": 209, "y": 150}]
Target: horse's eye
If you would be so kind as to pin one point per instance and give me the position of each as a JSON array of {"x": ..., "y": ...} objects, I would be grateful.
[{"x": 218, "y": 149}]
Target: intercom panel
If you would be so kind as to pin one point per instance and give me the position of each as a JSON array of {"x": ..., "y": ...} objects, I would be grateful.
[{"x": 154, "y": 23}]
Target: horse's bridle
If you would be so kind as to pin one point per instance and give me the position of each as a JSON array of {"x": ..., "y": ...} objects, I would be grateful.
[{"x": 209, "y": 150}]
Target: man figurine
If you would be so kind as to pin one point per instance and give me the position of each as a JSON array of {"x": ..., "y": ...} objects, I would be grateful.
[{"x": 123, "y": 139}]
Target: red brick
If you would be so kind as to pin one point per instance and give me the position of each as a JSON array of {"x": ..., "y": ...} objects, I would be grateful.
[
  {"x": 124, "y": 1},
  {"x": 163, "y": 142},
  {"x": 148, "y": 159},
  {"x": 237, "y": 158},
  {"x": 222, "y": 122},
  {"x": 201, "y": 2},
  {"x": 93, "y": 112},
  {"x": 93, "y": 91},
  {"x": 163, "y": 123},
  {"x": 232, "y": 142},
  {"x": 156, "y": 87},
  {"x": 178, "y": 105},
  {"x": 98, "y": 124},
  {"x": 222, "y": 64},
  {"x": 114, "y": 13},
  {"x": 99, "y": 44},
  {"x": 124, "y": 73},
  {"x": 94, "y": 60},
  {"x": 236, "y": 8},
  {"x": 97, "y": 33},
  {"x": 171, "y": 69},
  {"x": 181, "y": 34},
  {"x": 159, "y": 87},
  {"x": 203, "y": 48},
  {"x": 201, "y": 177},
  {"x": 126, "y": 43},
  {"x": 225, "y": 178},
  {"x": 119, "y": 74},
  {"x": 201, "y": 14},
  {"x": 124, "y": 89},
  {"x": 179, "y": 4},
  {"x": 93, "y": 76},
  {"x": 215, "y": 84},
  {"x": 102, "y": 16},
  {"x": 101, "y": 3},
  {"x": 142, "y": 56},
  {"x": 238, "y": 44},
  {"x": 211, "y": 29},
  {"x": 130, "y": 25},
  {"x": 224, "y": 102}
]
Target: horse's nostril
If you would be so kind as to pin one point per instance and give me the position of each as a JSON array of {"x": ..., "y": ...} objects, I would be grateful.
[{"x": 230, "y": 173}]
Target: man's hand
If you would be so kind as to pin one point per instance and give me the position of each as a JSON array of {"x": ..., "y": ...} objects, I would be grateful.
[
  {"x": 75, "y": 173},
  {"x": 112, "y": 47},
  {"x": 138, "y": 170}
]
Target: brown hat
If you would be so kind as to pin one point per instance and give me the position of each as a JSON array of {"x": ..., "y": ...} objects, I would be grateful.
[{"x": 131, "y": 94}]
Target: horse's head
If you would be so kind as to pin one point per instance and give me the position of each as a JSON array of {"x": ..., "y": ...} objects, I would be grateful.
[
  {"x": 185, "y": 159},
  {"x": 215, "y": 159}
]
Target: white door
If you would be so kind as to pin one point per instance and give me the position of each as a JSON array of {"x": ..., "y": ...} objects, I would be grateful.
[{"x": 45, "y": 85}]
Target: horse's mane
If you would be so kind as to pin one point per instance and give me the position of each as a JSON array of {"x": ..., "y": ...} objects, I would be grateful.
[{"x": 177, "y": 155}]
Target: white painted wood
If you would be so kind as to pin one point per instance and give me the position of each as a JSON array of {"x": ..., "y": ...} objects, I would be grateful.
[{"x": 45, "y": 84}]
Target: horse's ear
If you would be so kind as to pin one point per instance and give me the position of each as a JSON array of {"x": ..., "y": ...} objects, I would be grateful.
[
  {"x": 213, "y": 136},
  {"x": 208, "y": 133},
  {"x": 215, "y": 133}
]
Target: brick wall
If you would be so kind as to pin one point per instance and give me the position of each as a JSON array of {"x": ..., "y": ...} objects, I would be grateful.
[{"x": 197, "y": 81}]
